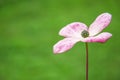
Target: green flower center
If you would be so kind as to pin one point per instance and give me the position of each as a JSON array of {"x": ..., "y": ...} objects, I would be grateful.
[{"x": 85, "y": 33}]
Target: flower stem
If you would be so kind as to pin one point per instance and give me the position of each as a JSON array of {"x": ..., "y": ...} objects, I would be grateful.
[{"x": 86, "y": 61}]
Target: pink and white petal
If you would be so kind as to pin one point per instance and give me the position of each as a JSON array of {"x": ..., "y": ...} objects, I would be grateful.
[
  {"x": 101, "y": 22},
  {"x": 73, "y": 30},
  {"x": 64, "y": 45},
  {"x": 101, "y": 38}
]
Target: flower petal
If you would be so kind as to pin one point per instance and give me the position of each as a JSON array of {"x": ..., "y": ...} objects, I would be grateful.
[
  {"x": 100, "y": 23},
  {"x": 73, "y": 30},
  {"x": 103, "y": 37},
  {"x": 64, "y": 45}
]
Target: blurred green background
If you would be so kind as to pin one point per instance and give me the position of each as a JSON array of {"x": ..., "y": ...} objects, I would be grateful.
[{"x": 29, "y": 29}]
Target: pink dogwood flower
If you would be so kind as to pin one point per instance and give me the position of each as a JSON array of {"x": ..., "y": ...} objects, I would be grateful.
[{"x": 79, "y": 32}]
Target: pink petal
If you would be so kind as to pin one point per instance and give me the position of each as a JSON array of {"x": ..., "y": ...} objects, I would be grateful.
[
  {"x": 103, "y": 37},
  {"x": 64, "y": 45},
  {"x": 73, "y": 30},
  {"x": 100, "y": 23}
]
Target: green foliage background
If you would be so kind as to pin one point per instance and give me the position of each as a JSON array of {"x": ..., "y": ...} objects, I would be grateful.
[{"x": 29, "y": 29}]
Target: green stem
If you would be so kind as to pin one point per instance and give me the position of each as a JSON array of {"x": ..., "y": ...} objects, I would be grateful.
[{"x": 86, "y": 61}]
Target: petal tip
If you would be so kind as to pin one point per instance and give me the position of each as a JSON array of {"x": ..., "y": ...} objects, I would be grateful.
[
  {"x": 107, "y": 15},
  {"x": 55, "y": 50}
]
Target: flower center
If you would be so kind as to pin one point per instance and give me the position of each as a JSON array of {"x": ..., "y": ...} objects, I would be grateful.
[{"x": 85, "y": 33}]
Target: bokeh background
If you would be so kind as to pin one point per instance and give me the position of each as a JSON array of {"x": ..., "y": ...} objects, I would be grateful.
[{"x": 29, "y": 29}]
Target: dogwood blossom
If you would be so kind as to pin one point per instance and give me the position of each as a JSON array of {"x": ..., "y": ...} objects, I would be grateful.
[{"x": 79, "y": 32}]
